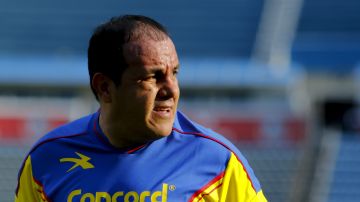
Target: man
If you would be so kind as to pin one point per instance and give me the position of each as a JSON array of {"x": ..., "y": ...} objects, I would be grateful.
[{"x": 137, "y": 147}]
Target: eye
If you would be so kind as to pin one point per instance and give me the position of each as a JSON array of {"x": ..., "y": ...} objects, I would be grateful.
[
  {"x": 154, "y": 76},
  {"x": 148, "y": 77},
  {"x": 176, "y": 72}
]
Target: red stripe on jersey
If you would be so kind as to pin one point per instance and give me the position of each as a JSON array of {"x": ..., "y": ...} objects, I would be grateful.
[
  {"x": 43, "y": 194},
  {"x": 135, "y": 149},
  {"x": 197, "y": 193}
]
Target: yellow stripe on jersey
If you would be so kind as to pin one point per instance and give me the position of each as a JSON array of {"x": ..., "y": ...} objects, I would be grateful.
[
  {"x": 28, "y": 188},
  {"x": 233, "y": 185}
]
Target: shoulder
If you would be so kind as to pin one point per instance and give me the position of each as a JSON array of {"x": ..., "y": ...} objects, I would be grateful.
[
  {"x": 183, "y": 125},
  {"x": 72, "y": 129},
  {"x": 45, "y": 148},
  {"x": 214, "y": 142}
]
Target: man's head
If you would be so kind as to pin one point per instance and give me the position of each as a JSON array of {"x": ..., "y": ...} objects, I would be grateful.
[
  {"x": 105, "y": 52},
  {"x": 133, "y": 65}
]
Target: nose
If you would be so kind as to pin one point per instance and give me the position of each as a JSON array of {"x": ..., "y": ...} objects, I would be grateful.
[{"x": 168, "y": 88}]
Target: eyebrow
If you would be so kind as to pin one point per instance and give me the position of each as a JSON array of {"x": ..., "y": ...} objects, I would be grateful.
[{"x": 157, "y": 68}]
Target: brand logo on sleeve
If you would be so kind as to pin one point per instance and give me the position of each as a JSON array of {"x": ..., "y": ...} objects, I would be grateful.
[
  {"x": 83, "y": 162},
  {"x": 121, "y": 196}
]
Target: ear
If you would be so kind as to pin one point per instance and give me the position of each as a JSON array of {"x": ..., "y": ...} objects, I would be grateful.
[{"x": 102, "y": 86}]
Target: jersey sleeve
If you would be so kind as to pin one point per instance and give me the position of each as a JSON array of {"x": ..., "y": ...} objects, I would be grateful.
[
  {"x": 234, "y": 184},
  {"x": 237, "y": 185},
  {"x": 29, "y": 189}
]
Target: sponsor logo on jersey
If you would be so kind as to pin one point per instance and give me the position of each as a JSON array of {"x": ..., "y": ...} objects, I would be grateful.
[
  {"x": 83, "y": 162},
  {"x": 121, "y": 196}
]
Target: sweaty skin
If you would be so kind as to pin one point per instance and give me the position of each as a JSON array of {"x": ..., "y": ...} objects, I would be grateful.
[{"x": 149, "y": 90}]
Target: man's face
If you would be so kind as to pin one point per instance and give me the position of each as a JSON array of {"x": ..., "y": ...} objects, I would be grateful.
[{"x": 146, "y": 100}]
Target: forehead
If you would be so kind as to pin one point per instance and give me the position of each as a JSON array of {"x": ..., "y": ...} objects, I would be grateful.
[{"x": 150, "y": 52}]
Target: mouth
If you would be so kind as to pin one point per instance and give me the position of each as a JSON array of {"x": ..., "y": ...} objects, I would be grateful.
[{"x": 163, "y": 111}]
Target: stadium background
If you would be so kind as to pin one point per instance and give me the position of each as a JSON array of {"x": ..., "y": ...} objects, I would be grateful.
[{"x": 280, "y": 78}]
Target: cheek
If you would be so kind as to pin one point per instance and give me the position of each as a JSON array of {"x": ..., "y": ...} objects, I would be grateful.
[
  {"x": 145, "y": 88},
  {"x": 177, "y": 91},
  {"x": 146, "y": 95}
]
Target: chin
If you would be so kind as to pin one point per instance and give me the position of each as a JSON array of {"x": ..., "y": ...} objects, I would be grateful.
[
  {"x": 162, "y": 131},
  {"x": 160, "y": 127}
]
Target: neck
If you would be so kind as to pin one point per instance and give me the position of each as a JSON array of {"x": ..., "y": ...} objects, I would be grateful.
[
  {"x": 114, "y": 136},
  {"x": 118, "y": 135}
]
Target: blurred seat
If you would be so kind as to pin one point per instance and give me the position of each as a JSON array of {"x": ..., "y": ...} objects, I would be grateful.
[
  {"x": 346, "y": 175},
  {"x": 276, "y": 167},
  {"x": 328, "y": 36}
]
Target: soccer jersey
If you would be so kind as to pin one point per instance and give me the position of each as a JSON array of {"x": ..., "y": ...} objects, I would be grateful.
[{"x": 77, "y": 163}]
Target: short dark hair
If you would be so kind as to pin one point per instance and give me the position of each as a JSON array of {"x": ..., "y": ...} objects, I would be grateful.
[{"x": 105, "y": 52}]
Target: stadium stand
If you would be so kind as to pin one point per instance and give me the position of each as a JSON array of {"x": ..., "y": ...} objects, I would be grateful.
[
  {"x": 226, "y": 29},
  {"x": 11, "y": 158},
  {"x": 276, "y": 166},
  {"x": 328, "y": 36},
  {"x": 345, "y": 181}
]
